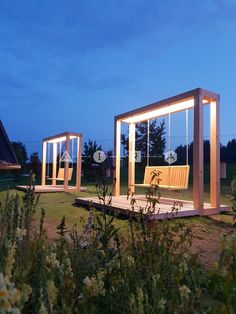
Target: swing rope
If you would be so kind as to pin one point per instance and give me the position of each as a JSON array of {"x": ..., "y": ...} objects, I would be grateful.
[
  {"x": 60, "y": 155},
  {"x": 187, "y": 135},
  {"x": 48, "y": 158},
  {"x": 72, "y": 152},
  {"x": 169, "y": 151},
  {"x": 169, "y": 146},
  {"x": 148, "y": 141}
]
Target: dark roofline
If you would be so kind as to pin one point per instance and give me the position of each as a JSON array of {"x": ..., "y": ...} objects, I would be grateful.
[{"x": 7, "y": 165}]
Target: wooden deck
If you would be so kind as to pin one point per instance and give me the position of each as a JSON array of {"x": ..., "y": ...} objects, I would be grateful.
[
  {"x": 121, "y": 205},
  {"x": 50, "y": 188}
]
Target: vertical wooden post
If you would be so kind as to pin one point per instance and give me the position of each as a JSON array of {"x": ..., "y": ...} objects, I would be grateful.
[
  {"x": 198, "y": 161},
  {"x": 116, "y": 174},
  {"x": 131, "y": 169},
  {"x": 44, "y": 158},
  {"x": 66, "y": 163},
  {"x": 215, "y": 154},
  {"x": 54, "y": 164},
  {"x": 78, "y": 163}
]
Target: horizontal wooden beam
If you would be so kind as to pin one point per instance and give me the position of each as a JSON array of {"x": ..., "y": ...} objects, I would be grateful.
[{"x": 207, "y": 95}]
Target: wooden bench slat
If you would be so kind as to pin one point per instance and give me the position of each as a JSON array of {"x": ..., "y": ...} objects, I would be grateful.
[
  {"x": 60, "y": 175},
  {"x": 173, "y": 177}
]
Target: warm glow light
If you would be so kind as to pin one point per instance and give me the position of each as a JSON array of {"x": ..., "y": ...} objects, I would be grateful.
[
  {"x": 60, "y": 139},
  {"x": 160, "y": 112},
  {"x": 187, "y": 104}
]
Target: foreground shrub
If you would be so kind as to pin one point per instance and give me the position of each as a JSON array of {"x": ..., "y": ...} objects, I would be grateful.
[{"x": 148, "y": 269}]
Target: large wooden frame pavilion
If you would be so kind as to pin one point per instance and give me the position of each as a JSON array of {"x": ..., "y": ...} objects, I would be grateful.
[{"x": 195, "y": 99}]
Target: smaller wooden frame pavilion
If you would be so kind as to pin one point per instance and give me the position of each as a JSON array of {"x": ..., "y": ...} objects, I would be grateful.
[
  {"x": 54, "y": 140},
  {"x": 195, "y": 99}
]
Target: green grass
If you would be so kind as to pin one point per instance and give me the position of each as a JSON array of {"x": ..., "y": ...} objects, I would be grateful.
[{"x": 58, "y": 205}]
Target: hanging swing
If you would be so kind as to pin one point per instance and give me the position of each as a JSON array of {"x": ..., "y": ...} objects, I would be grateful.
[
  {"x": 61, "y": 171},
  {"x": 172, "y": 177}
]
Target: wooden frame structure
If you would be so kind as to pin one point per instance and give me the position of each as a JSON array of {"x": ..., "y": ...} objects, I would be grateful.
[
  {"x": 54, "y": 140},
  {"x": 194, "y": 99}
]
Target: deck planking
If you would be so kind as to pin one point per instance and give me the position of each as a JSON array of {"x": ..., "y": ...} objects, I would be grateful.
[
  {"x": 163, "y": 210},
  {"x": 50, "y": 188}
]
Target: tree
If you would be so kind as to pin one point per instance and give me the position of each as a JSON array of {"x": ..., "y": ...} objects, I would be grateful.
[
  {"x": 231, "y": 151},
  {"x": 21, "y": 153},
  {"x": 35, "y": 163},
  {"x": 88, "y": 166},
  {"x": 181, "y": 153},
  {"x": 157, "y": 141}
]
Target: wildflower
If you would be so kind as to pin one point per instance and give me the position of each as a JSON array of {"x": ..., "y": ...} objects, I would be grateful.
[
  {"x": 140, "y": 296},
  {"x": 20, "y": 233},
  {"x": 52, "y": 291},
  {"x": 66, "y": 266},
  {"x": 10, "y": 259},
  {"x": 155, "y": 278},
  {"x": 186, "y": 256},
  {"x": 95, "y": 284},
  {"x": 3, "y": 287},
  {"x": 89, "y": 223},
  {"x": 84, "y": 244},
  {"x": 26, "y": 291},
  {"x": 132, "y": 304},
  {"x": 9, "y": 295},
  {"x": 5, "y": 306},
  {"x": 184, "y": 291},
  {"x": 51, "y": 260},
  {"x": 43, "y": 309},
  {"x": 130, "y": 261},
  {"x": 183, "y": 267},
  {"x": 161, "y": 304}
]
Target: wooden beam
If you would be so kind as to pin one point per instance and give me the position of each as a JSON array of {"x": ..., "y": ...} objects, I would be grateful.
[
  {"x": 44, "y": 156},
  {"x": 66, "y": 163},
  {"x": 58, "y": 137},
  {"x": 8, "y": 166},
  {"x": 198, "y": 171},
  {"x": 54, "y": 164},
  {"x": 78, "y": 163},
  {"x": 131, "y": 169},
  {"x": 215, "y": 154},
  {"x": 117, "y": 140}
]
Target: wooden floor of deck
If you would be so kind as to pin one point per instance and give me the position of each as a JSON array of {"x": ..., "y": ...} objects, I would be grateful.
[
  {"x": 163, "y": 210},
  {"x": 50, "y": 188}
]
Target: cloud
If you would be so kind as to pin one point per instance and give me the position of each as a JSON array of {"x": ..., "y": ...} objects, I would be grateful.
[{"x": 57, "y": 47}]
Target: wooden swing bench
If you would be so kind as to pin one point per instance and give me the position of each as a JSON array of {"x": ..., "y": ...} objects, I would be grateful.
[
  {"x": 166, "y": 177},
  {"x": 61, "y": 174}
]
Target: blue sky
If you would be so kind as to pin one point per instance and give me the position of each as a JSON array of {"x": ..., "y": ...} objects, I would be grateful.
[{"x": 72, "y": 65}]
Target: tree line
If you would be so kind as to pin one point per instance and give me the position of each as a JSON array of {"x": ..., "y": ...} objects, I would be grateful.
[{"x": 157, "y": 145}]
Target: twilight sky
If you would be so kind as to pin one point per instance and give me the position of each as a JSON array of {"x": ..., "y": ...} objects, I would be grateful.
[{"x": 72, "y": 65}]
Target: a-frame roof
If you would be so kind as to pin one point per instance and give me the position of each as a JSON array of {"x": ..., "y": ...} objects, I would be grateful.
[{"x": 8, "y": 158}]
